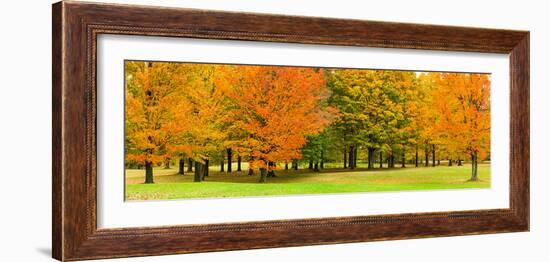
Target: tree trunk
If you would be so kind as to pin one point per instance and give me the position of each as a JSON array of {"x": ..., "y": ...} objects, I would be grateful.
[
  {"x": 426, "y": 154},
  {"x": 310, "y": 164},
  {"x": 222, "y": 166},
  {"x": 351, "y": 157},
  {"x": 239, "y": 163},
  {"x": 459, "y": 162},
  {"x": 433, "y": 155},
  {"x": 250, "y": 171},
  {"x": 263, "y": 175},
  {"x": 322, "y": 159},
  {"x": 182, "y": 166},
  {"x": 450, "y": 162},
  {"x": 316, "y": 168},
  {"x": 416, "y": 157},
  {"x": 381, "y": 162},
  {"x": 345, "y": 157},
  {"x": 149, "y": 172},
  {"x": 206, "y": 168},
  {"x": 229, "y": 160},
  {"x": 295, "y": 164},
  {"x": 167, "y": 163},
  {"x": 271, "y": 171},
  {"x": 370, "y": 157},
  {"x": 355, "y": 154},
  {"x": 198, "y": 172},
  {"x": 474, "y": 167},
  {"x": 403, "y": 160},
  {"x": 189, "y": 165},
  {"x": 438, "y": 161},
  {"x": 286, "y": 166}
]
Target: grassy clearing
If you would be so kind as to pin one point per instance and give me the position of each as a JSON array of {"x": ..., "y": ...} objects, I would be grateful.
[{"x": 170, "y": 185}]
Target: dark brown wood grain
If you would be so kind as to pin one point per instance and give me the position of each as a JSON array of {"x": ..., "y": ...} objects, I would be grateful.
[
  {"x": 76, "y": 26},
  {"x": 57, "y": 195}
]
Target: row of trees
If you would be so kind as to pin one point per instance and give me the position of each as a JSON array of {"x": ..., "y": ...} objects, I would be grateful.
[
  {"x": 268, "y": 115},
  {"x": 396, "y": 114}
]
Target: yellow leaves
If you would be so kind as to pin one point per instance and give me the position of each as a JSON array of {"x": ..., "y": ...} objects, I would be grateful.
[{"x": 266, "y": 112}]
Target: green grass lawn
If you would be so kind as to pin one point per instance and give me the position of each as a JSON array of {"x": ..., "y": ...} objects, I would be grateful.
[{"x": 170, "y": 185}]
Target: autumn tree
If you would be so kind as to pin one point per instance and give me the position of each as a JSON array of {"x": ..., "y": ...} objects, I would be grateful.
[
  {"x": 347, "y": 125},
  {"x": 276, "y": 108},
  {"x": 154, "y": 109},
  {"x": 208, "y": 115},
  {"x": 425, "y": 117},
  {"x": 464, "y": 108},
  {"x": 374, "y": 110}
]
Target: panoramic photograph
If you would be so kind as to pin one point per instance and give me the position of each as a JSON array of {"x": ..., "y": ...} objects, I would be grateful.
[{"x": 199, "y": 130}]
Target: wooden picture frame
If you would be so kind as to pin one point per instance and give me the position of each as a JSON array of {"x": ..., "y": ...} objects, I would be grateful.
[{"x": 76, "y": 26}]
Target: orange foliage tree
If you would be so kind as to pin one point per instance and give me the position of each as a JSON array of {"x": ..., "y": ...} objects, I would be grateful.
[
  {"x": 276, "y": 108},
  {"x": 463, "y": 106},
  {"x": 154, "y": 112}
]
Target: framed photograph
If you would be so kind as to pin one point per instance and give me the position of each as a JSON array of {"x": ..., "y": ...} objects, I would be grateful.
[{"x": 181, "y": 130}]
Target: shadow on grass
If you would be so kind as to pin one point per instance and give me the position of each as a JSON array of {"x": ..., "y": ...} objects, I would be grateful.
[{"x": 328, "y": 175}]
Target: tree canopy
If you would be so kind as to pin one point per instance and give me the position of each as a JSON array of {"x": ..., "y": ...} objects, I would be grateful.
[{"x": 270, "y": 115}]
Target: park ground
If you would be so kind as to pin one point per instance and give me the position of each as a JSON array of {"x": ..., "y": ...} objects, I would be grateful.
[{"x": 170, "y": 185}]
